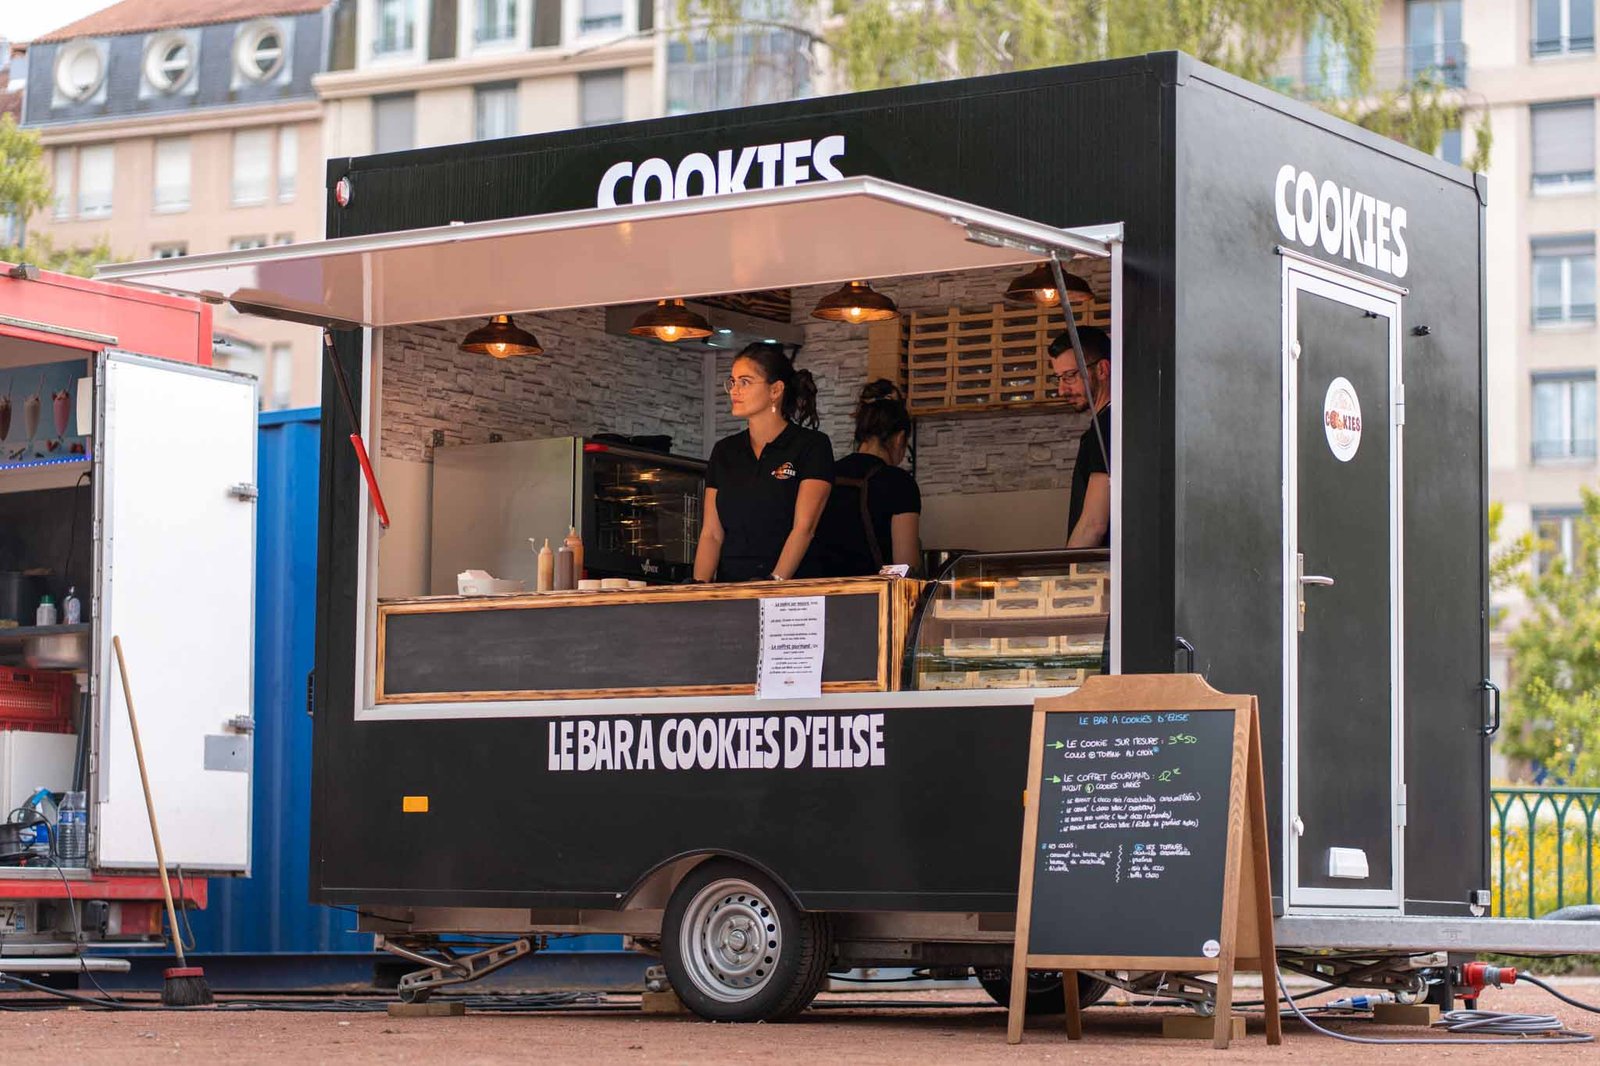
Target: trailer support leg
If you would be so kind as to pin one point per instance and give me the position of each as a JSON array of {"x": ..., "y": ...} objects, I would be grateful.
[{"x": 449, "y": 968}]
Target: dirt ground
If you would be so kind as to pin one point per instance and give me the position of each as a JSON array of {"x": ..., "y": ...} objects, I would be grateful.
[{"x": 944, "y": 1026}]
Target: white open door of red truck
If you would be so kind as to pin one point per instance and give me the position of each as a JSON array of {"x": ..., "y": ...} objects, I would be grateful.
[{"x": 175, "y": 469}]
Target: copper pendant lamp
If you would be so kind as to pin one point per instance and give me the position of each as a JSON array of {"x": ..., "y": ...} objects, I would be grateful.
[
  {"x": 854, "y": 303},
  {"x": 670, "y": 321},
  {"x": 501, "y": 338},
  {"x": 1038, "y": 286}
]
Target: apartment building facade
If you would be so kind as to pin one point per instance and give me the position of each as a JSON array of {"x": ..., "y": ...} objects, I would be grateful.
[
  {"x": 175, "y": 127},
  {"x": 417, "y": 73}
]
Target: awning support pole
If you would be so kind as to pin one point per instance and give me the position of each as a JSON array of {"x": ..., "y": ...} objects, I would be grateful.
[
  {"x": 355, "y": 429},
  {"x": 1077, "y": 354}
]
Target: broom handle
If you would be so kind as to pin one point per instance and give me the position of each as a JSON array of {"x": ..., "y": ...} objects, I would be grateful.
[{"x": 149, "y": 803}]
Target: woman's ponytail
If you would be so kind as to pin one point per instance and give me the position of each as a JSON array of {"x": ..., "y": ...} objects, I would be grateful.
[{"x": 800, "y": 399}]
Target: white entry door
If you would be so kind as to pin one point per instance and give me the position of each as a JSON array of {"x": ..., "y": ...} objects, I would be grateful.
[
  {"x": 175, "y": 473},
  {"x": 1344, "y": 408}
]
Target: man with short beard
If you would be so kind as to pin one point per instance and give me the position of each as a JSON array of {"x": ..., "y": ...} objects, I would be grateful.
[{"x": 1089, "y": 510}]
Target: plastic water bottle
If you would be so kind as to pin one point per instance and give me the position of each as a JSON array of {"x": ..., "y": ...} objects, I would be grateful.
[{"x": 72, "y": 830}]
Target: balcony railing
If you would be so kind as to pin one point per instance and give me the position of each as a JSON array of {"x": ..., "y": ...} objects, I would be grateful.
[
  {"x": 1556, "y": 449},
  {"x": 1329, "y": 76},
  {"x": 1543, "y": 849}
]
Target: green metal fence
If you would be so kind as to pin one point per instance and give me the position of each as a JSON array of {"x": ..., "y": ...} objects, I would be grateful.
[{"x": 1543, "y": 848}]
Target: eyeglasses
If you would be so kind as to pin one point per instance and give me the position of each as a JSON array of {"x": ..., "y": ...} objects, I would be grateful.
[{"x": 733, "y": 385}]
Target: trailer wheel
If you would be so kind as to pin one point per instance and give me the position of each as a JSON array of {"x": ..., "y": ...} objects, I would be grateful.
[
  {"x": 737, "y": 950},
  {"x": 1046, "y": 993}
]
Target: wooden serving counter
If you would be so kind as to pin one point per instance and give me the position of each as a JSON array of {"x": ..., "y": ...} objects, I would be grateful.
[{"x": 672, "y": 640}]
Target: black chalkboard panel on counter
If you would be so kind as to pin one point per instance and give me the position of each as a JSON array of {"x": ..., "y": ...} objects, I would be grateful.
[
  {"x": 1133, "y": 830},
  {"x": 671, "y": 640}
]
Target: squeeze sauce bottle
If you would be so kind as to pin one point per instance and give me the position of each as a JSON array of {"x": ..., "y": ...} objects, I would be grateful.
[
  {"x": 565, "y": 582},
  {"x": 547, "y": 568},
  {"x": 575, "y": 544}
]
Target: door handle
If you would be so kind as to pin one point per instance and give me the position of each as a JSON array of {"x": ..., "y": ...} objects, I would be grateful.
[{"x": 1303, "y": 579}]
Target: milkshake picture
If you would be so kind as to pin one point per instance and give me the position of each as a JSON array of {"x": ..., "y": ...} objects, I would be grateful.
[
  {"x": 62, "y": 409},
  {"x": 30, "y": 417}
]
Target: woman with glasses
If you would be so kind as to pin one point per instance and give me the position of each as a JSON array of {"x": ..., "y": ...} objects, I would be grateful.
[
  {"x": 874, "y": 513},
  {"x": 765, "y": 486}
]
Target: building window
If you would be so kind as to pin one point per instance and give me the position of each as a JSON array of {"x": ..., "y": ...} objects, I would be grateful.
[
  {"x": 1563, "y": 280},
  {"x": 394, "y": 122},
  {"x": 282, "y": 375},
  {"x": 172, "y": 174},
  {"x": 601, "y": 97},
  {"x": 1433, "y": 42},
  {"x": 174, "y": 250},
  {"x": 754, "y": 64},
  {"x": 80, "y": 71},
  {"x": 96, "y": 180},
  {"x": 1563, "y": 27},
  {"x": 288, "y": 162},
  {"x": 1449, "y": 148},
  {"x": 1563, "y": 146},
  {"x": 495, "y": 108},
  {"x": 260, "y": 51},
  {"x": 396, "y": 30},
  {"x": 597, "y": 16},
  {"x": 283, "y": 238},
  {"x": 1555, "y": 532},
  {"x": 63, "y": 163},
  {"x": 252, "y": 166},
  {"x": 1327, "y": 66},
  {"x": 494, "y": 21},
  {"x": 1563, "y": 416},
  {"x": 169, "y": 62},
  {"x": 247, "y": 244}
]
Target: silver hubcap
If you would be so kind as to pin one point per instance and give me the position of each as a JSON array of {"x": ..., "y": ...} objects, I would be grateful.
[{"x": 730, "y": 940}]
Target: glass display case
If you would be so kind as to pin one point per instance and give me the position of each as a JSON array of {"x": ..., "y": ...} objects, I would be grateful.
[{"x": 1015, "y": 620}]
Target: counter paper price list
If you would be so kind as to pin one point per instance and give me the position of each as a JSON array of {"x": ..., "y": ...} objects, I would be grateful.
[{"x": 1133, "y": 829}]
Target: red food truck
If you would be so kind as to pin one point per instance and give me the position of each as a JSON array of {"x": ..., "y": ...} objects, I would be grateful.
[{"x": 127, "y": 469}]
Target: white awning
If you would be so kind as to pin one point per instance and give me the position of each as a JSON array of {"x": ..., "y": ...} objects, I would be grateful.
[{"x": 818, "y": 233}]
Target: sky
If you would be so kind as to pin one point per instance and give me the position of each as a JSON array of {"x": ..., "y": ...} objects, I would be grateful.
[{"x": 23, "y": 20}]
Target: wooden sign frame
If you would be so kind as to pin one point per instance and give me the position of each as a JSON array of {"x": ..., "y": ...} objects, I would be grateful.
[{"x": 1246, "y": 920}]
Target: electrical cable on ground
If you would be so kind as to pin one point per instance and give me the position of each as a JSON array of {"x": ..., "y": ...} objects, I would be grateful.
[
  {"x": 1568, "y": 1000},
  {"x": 1535, "y": 1029}
]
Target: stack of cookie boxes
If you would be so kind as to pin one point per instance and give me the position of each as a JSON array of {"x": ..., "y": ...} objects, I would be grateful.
[{"x": 991, "y": 652}]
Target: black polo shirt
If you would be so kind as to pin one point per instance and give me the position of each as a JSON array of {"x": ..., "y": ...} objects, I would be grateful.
[
  {"x": 1091, "y": 460},
  {"x": 756, "y": 497}
]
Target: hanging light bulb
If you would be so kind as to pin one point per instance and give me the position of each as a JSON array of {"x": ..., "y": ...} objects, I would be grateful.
[
  {"x": 855, "y": 303},
  {"x": 501, "y": 338},
  {"x": 670, "y": 321},
  {"x": 1039, "y": 286}
]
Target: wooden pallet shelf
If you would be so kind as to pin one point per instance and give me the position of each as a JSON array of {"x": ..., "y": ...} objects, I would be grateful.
[{"x": 971, "y": 360}]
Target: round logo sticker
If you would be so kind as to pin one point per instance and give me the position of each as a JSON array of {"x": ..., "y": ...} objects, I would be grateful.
[
  {"x": 1211, "y": 949},
  {"x": 1341, "y": 419}
]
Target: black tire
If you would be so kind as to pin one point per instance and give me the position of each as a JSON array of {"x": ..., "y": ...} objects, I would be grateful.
[
  {"x": 1046, "y": 992},
  {"x": 706, "y": 946}
]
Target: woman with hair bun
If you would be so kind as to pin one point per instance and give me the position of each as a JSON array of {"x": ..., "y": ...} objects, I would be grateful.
[
  {"x": 873, "y": 515},
  {"x": 765, "y": 486}
]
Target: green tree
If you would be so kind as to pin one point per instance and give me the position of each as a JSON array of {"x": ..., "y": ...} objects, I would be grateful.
[
  {"x": 1553, "y": 710},
  {"x": 24, "y": 181},
  {"x": 880, "y": 43},
  {"x": 42, "y": 252}
]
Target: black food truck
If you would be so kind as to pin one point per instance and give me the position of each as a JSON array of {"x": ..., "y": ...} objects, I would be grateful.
[{"x": 1296, "y": 317}]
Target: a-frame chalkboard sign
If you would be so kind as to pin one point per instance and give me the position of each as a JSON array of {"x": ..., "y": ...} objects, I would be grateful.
[{"x": 1144, "y": 841}]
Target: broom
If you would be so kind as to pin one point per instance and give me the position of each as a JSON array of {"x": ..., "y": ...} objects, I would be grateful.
[{"x": 185, "y": 985}]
